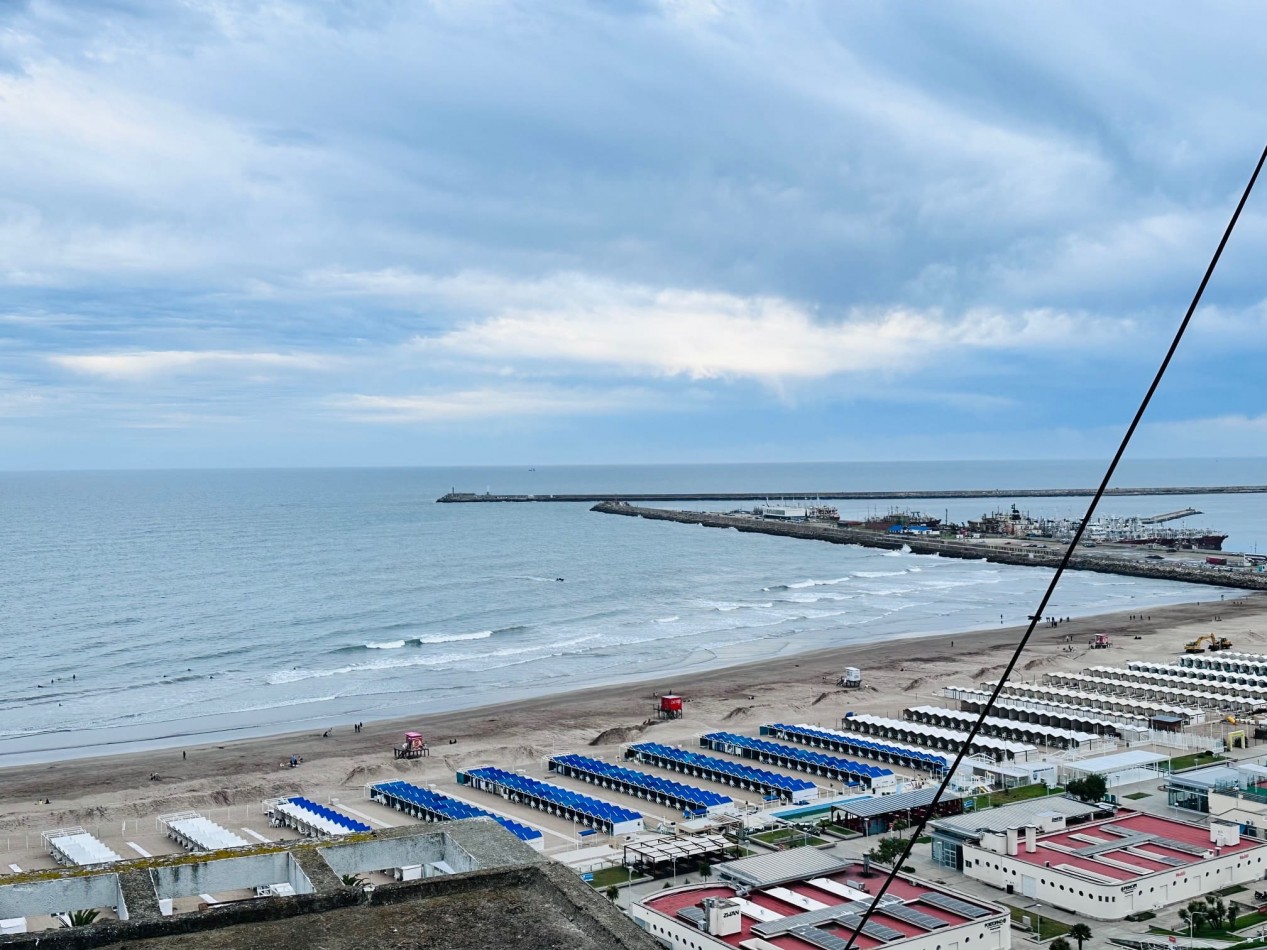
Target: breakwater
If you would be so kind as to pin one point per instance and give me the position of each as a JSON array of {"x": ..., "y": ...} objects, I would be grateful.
[
  {"x": 459, "y": 498},
  {"x": 835, "y": 534}
]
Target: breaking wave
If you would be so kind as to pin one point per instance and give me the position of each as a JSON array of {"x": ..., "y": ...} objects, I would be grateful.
[{"x": 455, "y": 637}]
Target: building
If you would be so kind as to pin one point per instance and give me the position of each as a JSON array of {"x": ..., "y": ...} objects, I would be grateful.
[
  {"x": 1006, "y": 775},
  {"x": 808, "y": 900},
  {"x": 476, "y": 887},
  {"x": 1105, "y": 870},
  {"x": 873, "y": 816},
  {"x": 1195, "y": 789},
  {"x": 1245, "y": 805},
  {"x": 1054, "y": 812},
  {"x": 1120, "y": 768}
]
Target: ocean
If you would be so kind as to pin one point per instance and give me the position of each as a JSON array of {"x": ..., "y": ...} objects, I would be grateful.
[{"x": 164, "y": 608}]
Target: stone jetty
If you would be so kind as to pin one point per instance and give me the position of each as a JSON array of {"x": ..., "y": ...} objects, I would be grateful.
[{"x": 1049, "y": 557}]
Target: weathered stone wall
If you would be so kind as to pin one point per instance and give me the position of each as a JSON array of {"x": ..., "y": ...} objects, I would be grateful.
[
  {"x": 488, "y": 855},
  {"x": 230, "y": 874},
  {"x": 384, "y": 853},
  {"x": 62, "y": 895}
]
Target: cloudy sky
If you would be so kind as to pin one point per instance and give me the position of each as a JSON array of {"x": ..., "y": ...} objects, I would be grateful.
[{"x": 483, "y": 231}]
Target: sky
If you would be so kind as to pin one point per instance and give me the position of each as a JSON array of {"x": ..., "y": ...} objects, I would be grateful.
[{"x": 369, "y": 232}]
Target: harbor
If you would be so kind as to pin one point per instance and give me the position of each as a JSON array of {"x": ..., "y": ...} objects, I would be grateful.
[
  {"x": 461, "y": 498},
  {"x": 1124, "y": 559}
]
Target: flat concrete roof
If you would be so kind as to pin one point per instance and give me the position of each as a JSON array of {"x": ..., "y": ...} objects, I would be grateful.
[
  {"x": 1118, "y": 762},
  {"x": 1016, "y": 815},
  {"x": 766, "y": 869},
  {"x": 887, "y": 804},
  {"x": 1212, "y": 776}
]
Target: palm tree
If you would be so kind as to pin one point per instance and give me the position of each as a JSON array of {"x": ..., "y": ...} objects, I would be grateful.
[
  {"x": 1060, "y": 943},
  {"x": 352, "y": 880},
  {"x": 1080, "y": 932},
  {"x": 81, "y": 918},
  {"x": 705, "y": 870},
  {"x": 1215, "y": 910},
  {"x": 612, "y": 893}
]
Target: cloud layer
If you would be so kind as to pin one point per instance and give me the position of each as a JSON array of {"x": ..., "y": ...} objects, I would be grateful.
[{"x": 618, "y": 224}]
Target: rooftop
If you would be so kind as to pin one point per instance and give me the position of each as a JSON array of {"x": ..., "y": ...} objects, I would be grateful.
[
  {"x": 1016, "y": 815},
  {"x": 1212, "y": 776},
  {"x": 806, "y": 913},
  {"x": 1128, "y": 847},
  {"x": 499, "y": 892},
  {"x": 764, "y": 869},
  {"x": 1131, "y": 759},
  {"x": 887, "y": 804},
  {"x": 533, "y": 907}
]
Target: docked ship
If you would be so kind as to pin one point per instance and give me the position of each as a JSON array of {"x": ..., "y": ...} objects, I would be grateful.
[
  {"x": 896, "y": 520},
  {"x": 1143, "y": 532},
  {"x": 785, "y": 512},
  {"x": 1140, "y": 531}
]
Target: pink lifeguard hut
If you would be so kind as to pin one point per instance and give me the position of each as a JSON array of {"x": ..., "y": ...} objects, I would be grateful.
[
  {"x": 670, "y": 706},
  {"x": 414, "y": 747}
]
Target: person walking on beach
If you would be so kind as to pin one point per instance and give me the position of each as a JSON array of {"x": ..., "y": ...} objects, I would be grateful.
[{"x": 183, "y": 755}]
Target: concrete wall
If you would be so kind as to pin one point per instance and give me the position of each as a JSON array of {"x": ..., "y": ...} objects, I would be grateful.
[
  {"x": 384, "y": 853},
  {"x": 229, "y": 874},
  {"x": 62, "y": 895},
  {"x": 1244, "y": 811},
  {"x": 473, "y": 845}
]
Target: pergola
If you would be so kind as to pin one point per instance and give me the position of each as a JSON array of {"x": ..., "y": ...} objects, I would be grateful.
[{"x": 651, "y": 853}]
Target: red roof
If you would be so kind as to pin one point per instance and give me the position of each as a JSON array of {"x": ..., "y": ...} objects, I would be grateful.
[
  {"x": 670, "y": 903},
  {"x": 1194, "y": 836}
]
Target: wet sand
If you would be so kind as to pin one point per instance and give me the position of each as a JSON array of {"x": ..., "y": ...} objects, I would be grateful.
[{"x": 798, "y": 688}]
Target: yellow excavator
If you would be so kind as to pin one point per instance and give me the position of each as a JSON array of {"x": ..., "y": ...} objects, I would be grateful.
[{"x": 1199, "y": 645}]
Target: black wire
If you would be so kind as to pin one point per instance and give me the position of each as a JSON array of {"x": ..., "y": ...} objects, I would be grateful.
[{"x": 1064, "y": 561}]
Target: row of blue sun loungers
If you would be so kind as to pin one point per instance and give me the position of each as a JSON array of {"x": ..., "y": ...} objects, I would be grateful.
[
  {"x": 723, "y": 771},
  {"x": 805, "y": 760},
  {"x": 552, "y": 799},
  {"x": 311, "y": 818},
  {"x": 428, "y": 805},
  {"x": 904, "y": 756},
  {"x": 693, "y": 802}
]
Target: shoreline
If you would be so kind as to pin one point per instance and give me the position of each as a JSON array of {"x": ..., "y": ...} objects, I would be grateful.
[
  {"x": 236, "y": 770},
  {"x": 65, "y": 745}
]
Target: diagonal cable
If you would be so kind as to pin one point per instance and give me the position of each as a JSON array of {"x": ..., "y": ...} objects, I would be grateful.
[{"x": 1064, "y": 561}]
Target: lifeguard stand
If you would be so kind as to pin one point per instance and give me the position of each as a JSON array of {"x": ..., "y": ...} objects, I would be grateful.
[
  {"x": 670, "y": 706},
  {"x": 414, "y": 747},
  {"x": 851, "y": 678}
]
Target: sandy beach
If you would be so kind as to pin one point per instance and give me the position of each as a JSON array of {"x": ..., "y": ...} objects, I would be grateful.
[{"x": 598, "y": 721}]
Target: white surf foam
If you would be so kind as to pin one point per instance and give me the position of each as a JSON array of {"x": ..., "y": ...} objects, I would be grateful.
[
  {"x": 454, "y": 637},
  {"x": 386, "y": 645}
]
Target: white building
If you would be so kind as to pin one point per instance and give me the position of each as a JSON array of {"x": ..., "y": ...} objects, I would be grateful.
[
  {"x": 808, "y": 900},
  {"x": 1107, "y": 869}
]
